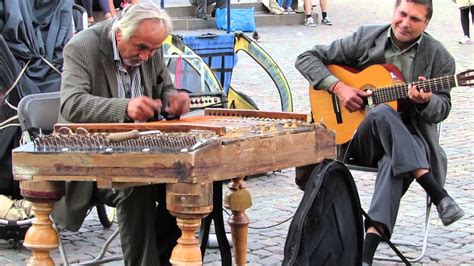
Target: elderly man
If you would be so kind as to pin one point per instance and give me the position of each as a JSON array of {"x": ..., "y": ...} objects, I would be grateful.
[
  {"x": 402, "y": 144},
  {"x": 115, "y": 72}
]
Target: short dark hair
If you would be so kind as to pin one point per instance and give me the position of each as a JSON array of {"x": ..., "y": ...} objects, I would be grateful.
[{"x": 427, "y": 3}]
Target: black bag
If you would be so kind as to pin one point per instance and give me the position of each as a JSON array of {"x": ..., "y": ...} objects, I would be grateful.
[{"x": 327, "y": 228}]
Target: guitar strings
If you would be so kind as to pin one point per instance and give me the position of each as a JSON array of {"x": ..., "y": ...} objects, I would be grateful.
[{"x": 400, "y": 91}]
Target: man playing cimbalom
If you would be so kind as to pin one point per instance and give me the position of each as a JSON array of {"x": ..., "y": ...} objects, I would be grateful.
[
  {"x": 404, "y": 145},
  {"x": 115, "y": 72}
]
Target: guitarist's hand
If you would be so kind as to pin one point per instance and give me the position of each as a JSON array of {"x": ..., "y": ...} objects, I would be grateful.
[
  {"x": 351, "y": 98},
  {"x": 418, "y": 96}
]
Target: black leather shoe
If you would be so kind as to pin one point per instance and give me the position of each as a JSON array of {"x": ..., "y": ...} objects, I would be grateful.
[{"x": 449, "y": 211}]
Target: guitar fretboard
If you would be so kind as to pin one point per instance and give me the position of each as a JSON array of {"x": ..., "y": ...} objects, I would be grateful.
[{"x": 400, "y": 91}]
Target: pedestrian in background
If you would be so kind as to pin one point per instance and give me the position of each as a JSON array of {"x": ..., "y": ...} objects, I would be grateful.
[
  {"x": 201, "y": 7},
  {"x": 308, "y": 10},
  {"x": 466, "y": 6},
  {"x": 105, "y": 5},
  {"x": 286, "y": 5}
]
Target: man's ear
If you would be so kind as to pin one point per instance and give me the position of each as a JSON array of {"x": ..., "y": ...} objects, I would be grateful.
[{"x": 118, "y": 35}]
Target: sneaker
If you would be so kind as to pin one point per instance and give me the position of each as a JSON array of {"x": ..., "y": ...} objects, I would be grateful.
[
  {"x": 465, "y": 40},
  {"x": 290, "y": 10},
  {"x": 309, "y": 22},
  {"x": 326, "y": 21}
]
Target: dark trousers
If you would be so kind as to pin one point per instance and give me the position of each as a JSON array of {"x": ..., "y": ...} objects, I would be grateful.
[
  {"x": 383, "y": 140},
  {"x": 148, "y": 232},
  {"x": 465, "y": 19},
  {"x": 201, "y": 5}
]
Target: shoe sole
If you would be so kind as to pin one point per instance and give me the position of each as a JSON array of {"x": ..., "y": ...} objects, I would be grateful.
[{"x": 454, "y": 218}]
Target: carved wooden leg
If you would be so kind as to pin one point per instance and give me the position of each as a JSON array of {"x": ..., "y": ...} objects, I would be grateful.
[
  {"x": 189, "y": 203},
  {"x": 238, "y": 199},
  {"x": 42, "y": 236}
]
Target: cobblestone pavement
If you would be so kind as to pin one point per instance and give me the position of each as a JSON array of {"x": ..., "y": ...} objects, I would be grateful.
[{"x": 275, "y": 197}]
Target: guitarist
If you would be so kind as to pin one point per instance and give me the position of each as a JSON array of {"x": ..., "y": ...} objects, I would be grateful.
[{"x": 404, "y": 145}]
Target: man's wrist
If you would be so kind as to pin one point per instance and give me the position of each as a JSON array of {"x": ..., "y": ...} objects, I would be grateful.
[
  {"x": 126, "y": 117},
  {"x": 334, "y": 88}
]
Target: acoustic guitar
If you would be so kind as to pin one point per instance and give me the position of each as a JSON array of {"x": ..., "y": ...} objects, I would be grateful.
[{"x": 386, "y": 84}]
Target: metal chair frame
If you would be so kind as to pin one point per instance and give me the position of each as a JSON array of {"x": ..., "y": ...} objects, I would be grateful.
[
  {"x": 426, "y": 226},
  {"x": 39, "y": 112}
]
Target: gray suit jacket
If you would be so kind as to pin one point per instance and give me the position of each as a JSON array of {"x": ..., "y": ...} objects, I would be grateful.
[
  {"x": 366, "y": 47},
  {"x": 88, "y": 94}
]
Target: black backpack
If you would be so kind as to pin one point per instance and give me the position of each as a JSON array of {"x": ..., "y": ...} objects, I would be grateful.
[{"x": 327, "y": 228}]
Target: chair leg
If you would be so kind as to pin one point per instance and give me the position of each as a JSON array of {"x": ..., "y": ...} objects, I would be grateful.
[
  {"x": 425, "y": 239},
  {"x": 62, "y": 251},
  {"x": 100, "y": 258}
]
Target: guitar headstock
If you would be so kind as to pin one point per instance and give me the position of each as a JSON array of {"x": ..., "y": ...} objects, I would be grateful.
[{"x": 466, "y": 78}]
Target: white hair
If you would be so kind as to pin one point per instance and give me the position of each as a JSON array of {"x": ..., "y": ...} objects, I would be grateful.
[{"x": 135, "y": 14}]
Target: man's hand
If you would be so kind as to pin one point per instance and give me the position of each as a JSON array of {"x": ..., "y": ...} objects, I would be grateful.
[
  {"x": 418, "y": 96},
  {"x": 178, "y": 103},
  {"x": 351, "y": 98},
  {"x": 142, "y": 108}
]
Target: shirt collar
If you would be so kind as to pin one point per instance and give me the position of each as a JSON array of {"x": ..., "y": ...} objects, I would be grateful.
[{"x": 114, "y": 45}]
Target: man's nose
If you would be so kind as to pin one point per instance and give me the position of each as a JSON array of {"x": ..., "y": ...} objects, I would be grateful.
[
  {"x": 406, "y": 22},
  {"x": 146, "y": 54}
]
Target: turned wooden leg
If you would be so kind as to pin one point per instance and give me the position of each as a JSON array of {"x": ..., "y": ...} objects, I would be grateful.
[
  {"x": 238, "y": 199},
  {"x": 41, "y": 237},
  {"x": 189, "y": 203}
]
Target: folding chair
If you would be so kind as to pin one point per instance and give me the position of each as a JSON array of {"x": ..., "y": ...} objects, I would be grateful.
[
  {"x": 37, "y": 114},
  {"x": 353, "y": 166}
]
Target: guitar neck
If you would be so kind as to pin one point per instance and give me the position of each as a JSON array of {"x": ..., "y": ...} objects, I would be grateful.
[{"x": 400, "y": 91}]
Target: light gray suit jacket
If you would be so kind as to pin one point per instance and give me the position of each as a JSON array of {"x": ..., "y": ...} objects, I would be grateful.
[
  {"x": 89, "y": 94},
  {"x": 366, "y": 47}
]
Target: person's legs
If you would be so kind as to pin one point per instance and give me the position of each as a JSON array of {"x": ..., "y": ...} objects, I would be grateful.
[
  {"x": 324, "y": 12},
  {"x": 287, "y": 6},
  {"x": 201, "y": 9},
  {"x": 218, "y": 4},
  {"x": 464, "y": 14},
  {"x": 105, "y": 6},
  {"x": 378, "y": 140},
  {"x": 87, "y": 4},
  {"x": 113, "y": 12},
  {"x": 472, "y": 14},
  {"x": 308, "y": 10},
  {"x": 465, "y": 21},
  {"x": 167, "y": 231},
  {"x": 137, "y": 221}
]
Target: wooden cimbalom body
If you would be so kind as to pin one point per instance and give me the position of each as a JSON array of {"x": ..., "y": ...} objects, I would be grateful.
[{"x": 188, "y": 155}]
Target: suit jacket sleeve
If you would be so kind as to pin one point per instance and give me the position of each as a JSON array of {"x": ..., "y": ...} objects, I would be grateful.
[
  {"x": 312, "y": 63},
  {"x": 85, "y": 92},
  {"x": 438, "y": 63}
]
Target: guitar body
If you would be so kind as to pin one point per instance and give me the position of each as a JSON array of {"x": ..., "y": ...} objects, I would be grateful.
[{"x": 372, "y": 77}]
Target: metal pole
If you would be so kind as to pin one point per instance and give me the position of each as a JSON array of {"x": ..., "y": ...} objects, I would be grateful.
[{"x": 228, "y": 16}]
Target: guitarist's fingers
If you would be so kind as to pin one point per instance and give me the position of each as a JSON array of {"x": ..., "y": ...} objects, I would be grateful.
[
  {"x": 352, "y": 104},
  {"x": 418, "y": 96},
  {"x": 425, "y": 96}
]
